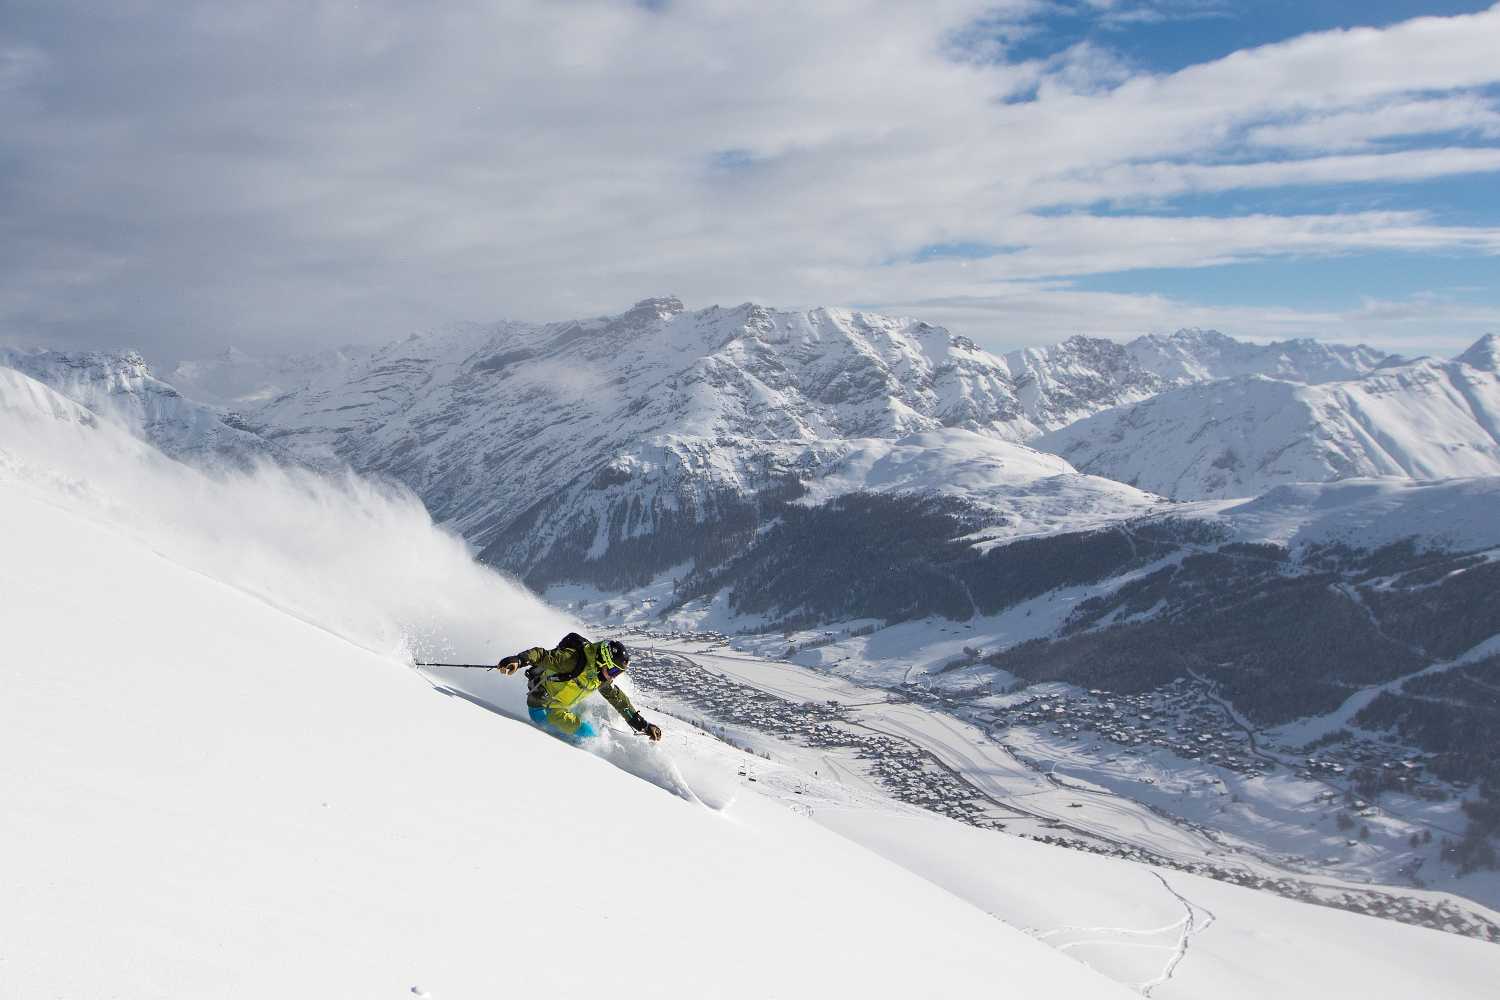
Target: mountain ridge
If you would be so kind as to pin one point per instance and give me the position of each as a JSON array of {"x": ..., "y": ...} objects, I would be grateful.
[
  {"x": 660, "y": 428},
  {"x": 1240, "y": 436}
]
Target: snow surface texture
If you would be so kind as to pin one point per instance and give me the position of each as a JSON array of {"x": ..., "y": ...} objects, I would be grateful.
[{"x": 1242, "y": 436}]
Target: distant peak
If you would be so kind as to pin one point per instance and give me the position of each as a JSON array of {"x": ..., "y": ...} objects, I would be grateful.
[
  {"x": 663, "y": 307},
  {"x": 1483, "y": 353},
  {"x": 1201, "y": 335}
]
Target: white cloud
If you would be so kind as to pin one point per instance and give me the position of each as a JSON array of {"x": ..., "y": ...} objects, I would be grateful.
[
  {"x": 1363, "y": 127},
  {"x": 325, "y": 172},
  {"x": 1163, "y": 179}
]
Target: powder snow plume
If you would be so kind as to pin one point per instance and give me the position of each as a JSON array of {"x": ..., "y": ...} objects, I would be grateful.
[{"x": 357, "y": 558}]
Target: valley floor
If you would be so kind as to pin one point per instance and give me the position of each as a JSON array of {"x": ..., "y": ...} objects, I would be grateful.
[
  {"x": 1097, "y": 797},
  {"x": 1176, "y": 775}
]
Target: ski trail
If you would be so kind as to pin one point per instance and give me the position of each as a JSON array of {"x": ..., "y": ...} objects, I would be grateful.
[
  {"x": 1191, "y": 928},
  {"x": 1172, "y": 939},
  {"x": 1044, "y": 935}
]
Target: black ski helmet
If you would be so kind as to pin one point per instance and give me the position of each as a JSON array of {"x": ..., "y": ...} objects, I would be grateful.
[{"x": 618, "y": 653}]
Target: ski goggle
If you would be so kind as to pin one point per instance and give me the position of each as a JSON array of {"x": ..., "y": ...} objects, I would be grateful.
[{"x": 608, "y": 669}]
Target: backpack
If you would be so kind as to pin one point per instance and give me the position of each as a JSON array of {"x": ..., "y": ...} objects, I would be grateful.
[{"x": 572, "y": 641}]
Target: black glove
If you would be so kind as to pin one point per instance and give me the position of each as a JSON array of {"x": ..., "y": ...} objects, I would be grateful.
[
  {"x": 640, "y": 725},
  {"x": 509, "y": 665}
]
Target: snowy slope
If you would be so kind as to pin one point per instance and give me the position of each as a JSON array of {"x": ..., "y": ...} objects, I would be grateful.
[
  {"x": 122, "y": 388},
  {"x": 26, "y": 402},
  {"x": 1173, "y": 934},
  {"x": 1242, "y": 436},
  {"x": 1459, "y": 515},
  {"x": 225, "y": 810},
  {"x": 231, "y": 793},
  {"x": 1015, "y": 489}
]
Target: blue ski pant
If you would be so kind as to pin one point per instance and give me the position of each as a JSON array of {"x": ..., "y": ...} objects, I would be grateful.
[{"x": 564, "y": 723}]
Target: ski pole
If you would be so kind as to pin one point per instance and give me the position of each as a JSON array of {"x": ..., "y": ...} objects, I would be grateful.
[{"x": 465, "y": 666}]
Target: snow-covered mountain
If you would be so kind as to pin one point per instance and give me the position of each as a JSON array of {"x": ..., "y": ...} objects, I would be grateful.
[
  {"x": 1240, "y": 436},
  {"x": 122, "y": 388},
  {"x": 615, "y": 449},
  {"x": 1483, "y": 354},
  {"x": 664, "y": 436},
  {"x": 1193, "y": 355},
  {"x": 661, "y": 435},
  {"x": 1064, "y": 382}
]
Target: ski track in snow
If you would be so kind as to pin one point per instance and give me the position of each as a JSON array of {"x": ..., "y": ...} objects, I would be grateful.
[
  {"x": 1173, "y": 938},
  {"x": 1190, "y": 929}
]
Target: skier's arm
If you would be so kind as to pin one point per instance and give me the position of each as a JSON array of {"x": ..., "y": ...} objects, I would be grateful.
[
  {"x": 527, "y": 657},
  {"x": 620, "y": 701}
]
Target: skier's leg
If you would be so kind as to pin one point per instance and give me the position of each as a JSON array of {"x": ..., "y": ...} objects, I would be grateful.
[{"x": 565, "y": 722}]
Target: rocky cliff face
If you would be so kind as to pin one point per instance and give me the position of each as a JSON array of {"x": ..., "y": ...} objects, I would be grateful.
[{"x": 1064, "y": 382}]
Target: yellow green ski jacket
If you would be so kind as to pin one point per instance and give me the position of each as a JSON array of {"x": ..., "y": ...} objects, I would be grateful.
[{"x": 552, "y": 692}]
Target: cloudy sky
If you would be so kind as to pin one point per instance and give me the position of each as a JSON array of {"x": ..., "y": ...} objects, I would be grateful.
[{"x": 290, "y": 174}]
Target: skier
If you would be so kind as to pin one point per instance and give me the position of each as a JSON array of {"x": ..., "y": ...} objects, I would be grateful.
[{"x": 561, "y": 678}]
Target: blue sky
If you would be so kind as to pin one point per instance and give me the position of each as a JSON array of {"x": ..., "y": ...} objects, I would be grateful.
[
  {"x": 283, "y": 176},
  {"x": 1169, "y": 35},
  {"x": 1154, "y": 38}
]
